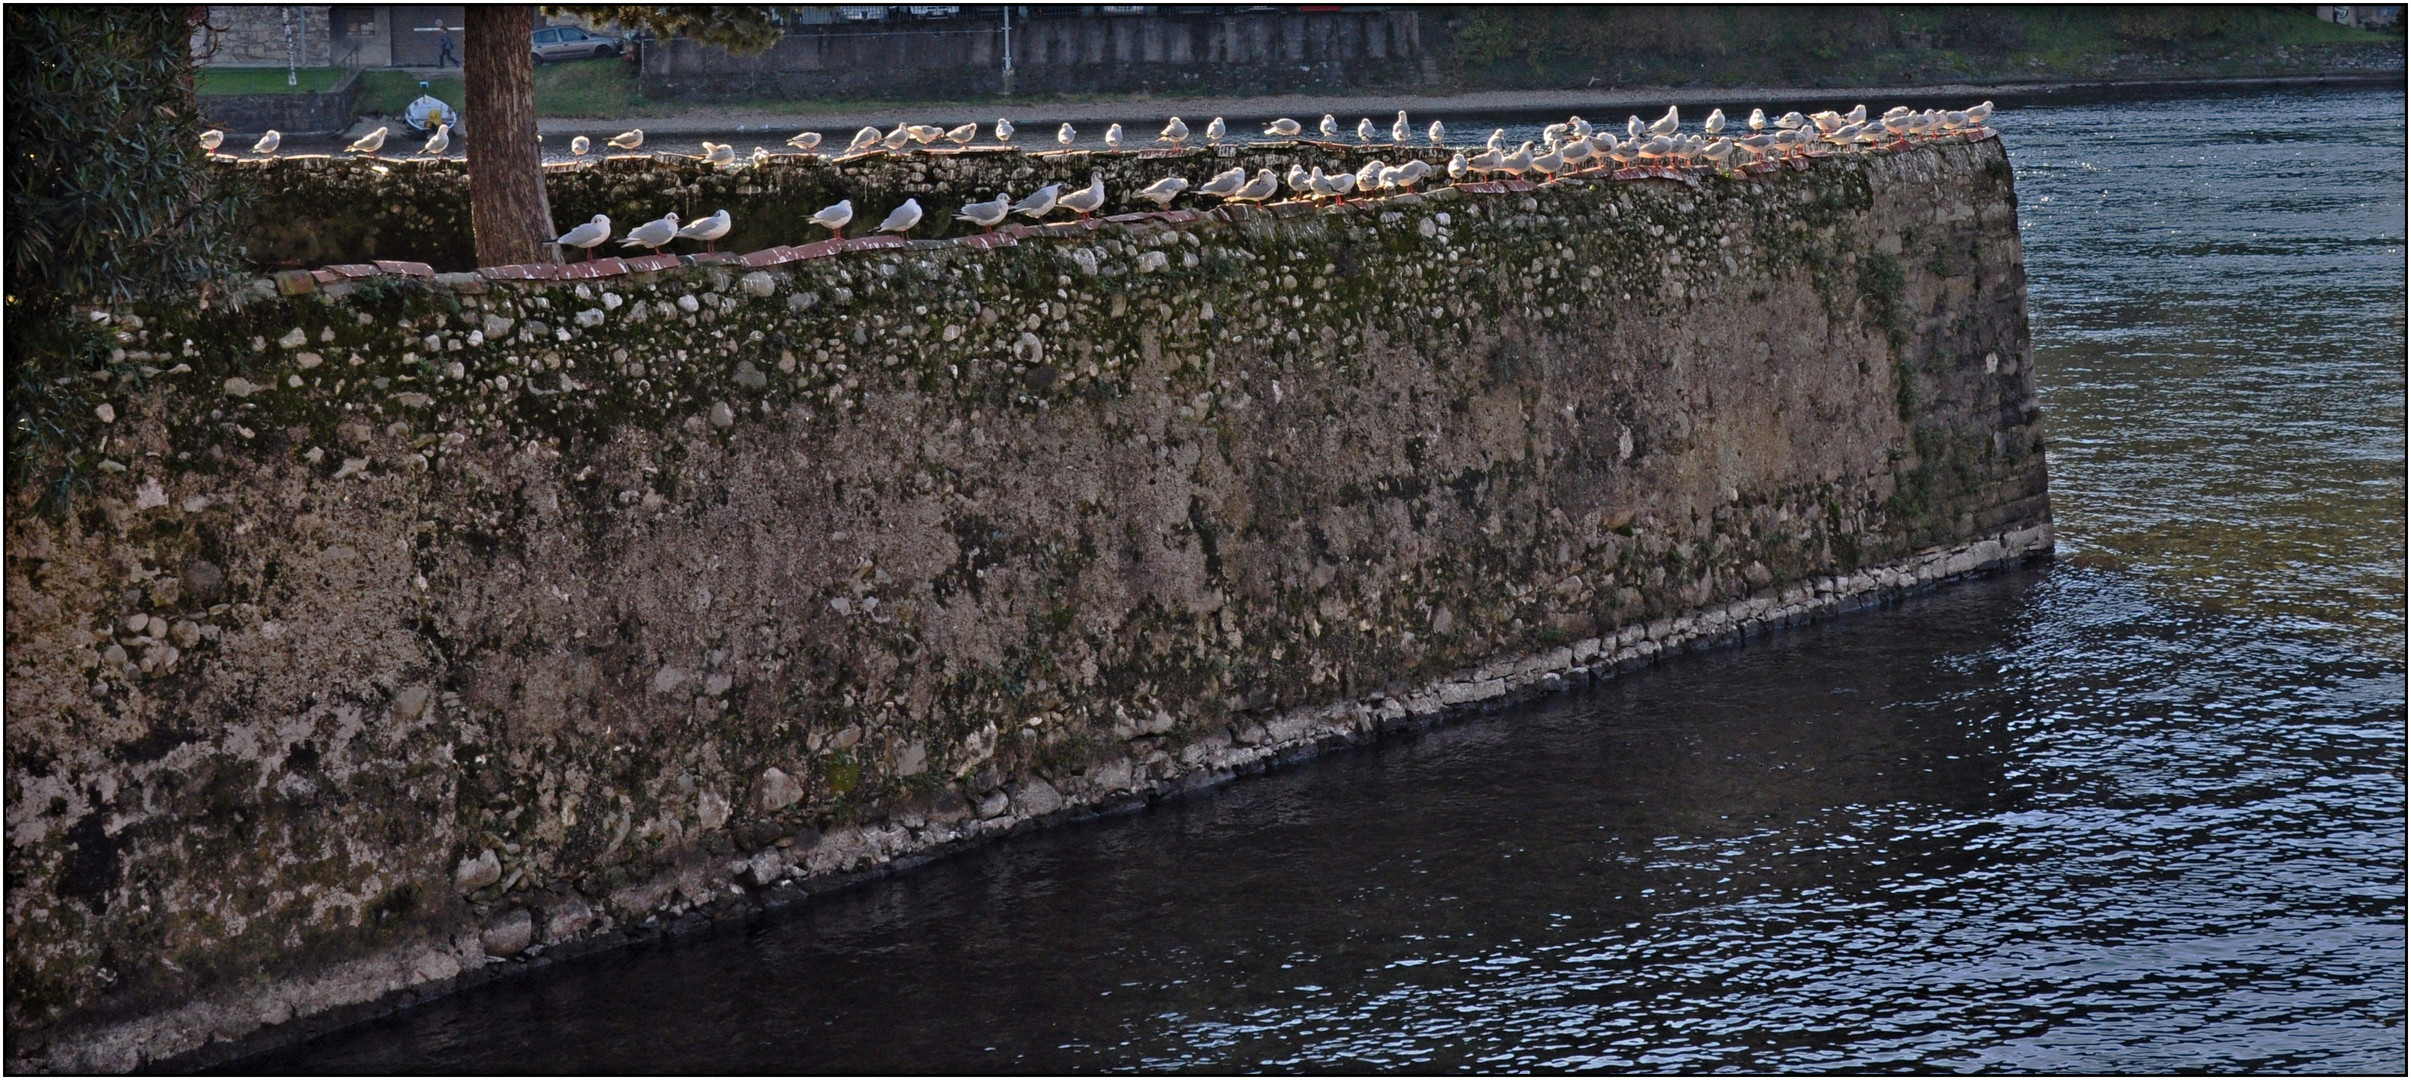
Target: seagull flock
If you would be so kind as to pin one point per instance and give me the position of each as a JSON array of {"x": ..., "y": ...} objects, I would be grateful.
[{"x": 1572, "y": 148}]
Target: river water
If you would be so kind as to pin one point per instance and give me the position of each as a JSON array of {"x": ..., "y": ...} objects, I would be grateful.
[{"x": 2138, "y": 811}]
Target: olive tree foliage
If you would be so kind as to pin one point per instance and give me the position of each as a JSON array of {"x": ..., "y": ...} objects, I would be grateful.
[{"x": 108, "y": 198}]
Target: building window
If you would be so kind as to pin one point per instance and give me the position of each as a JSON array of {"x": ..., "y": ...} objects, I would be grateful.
[{"x": 355, "y": 22}]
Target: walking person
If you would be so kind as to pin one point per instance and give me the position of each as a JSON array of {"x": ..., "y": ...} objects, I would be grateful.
[{"x": 443, "y": 48}]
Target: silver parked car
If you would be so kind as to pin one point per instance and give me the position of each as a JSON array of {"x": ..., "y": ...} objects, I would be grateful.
[{"x": 571, "y": 43}]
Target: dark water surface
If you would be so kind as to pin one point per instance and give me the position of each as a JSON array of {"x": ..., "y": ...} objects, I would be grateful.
[{"x": 2142, "y": 811}]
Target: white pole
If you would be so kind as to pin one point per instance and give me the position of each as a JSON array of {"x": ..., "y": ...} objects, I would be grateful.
[{"x": 1008, "y": 50}]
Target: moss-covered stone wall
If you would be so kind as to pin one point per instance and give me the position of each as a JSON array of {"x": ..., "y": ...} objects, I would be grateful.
[
  {"x": 430, "y": 623},
  {"x": 316, "y": 211}
]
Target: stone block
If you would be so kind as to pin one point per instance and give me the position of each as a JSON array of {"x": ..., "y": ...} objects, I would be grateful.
[
  {"x": 566, "y": 918},
  {"x": 508, "y": 934}
]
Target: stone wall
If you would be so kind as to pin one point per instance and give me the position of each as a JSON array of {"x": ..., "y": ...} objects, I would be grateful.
[
  {"x": 313, "y": 211},
  {"x": 421, "y": 623},
  {"x": 1226, "y": 52},
  {"x": 245, "y": 116}
]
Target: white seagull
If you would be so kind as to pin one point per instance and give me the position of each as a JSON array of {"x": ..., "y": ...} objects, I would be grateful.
[
  {"x": 1039, "y": 203},
  {"x": 589, "y": 236},
  {"x": 1364, "y": 129},
  {"x": 863, "y": 140},
  {"x": 1283, "y": 128},
  {"x": 1163, "y": 191},
  {"x": 1215, "y": 130},
  {"x": 834, "y": 218},
  {"x": 1259, "y": 189},
  {"x": 1225, "y": 183},
  {"x": 653, "y": 234},
  {"x": 1399, "y": 132},
  {"x": 627, "y": 140},
  {"x": 1086, "y": 200},
  {"x": 986, "y": 215},
  {"x": 579, "y": 146},
  {"x": 1318, "y": 184},
  {"x": 369, "y": 143},
  {"x": 963, "y": 135},
  {"x": 806, "y": 141},
  {"x": 709, "y": 230},
  {"x": 902, "y": 219},
  {"x": 211, "y": 140},
  {"x": 1064, "y": 135},
  {"x": 440, "y": 142},
  {"x": 1113, "y": 137},
  {"x": 1329, "y": 127},
  {"x": 1175, "y": 132},
  {"x": 1368, "y": 178},
  {"x": 1667, "y": 124},
  {"x": 268, "y": 143},
  {"x": 1004, "y": 130},
  {"x": 1520, "y": 160},
  {"x": 1436, "y": 133}
]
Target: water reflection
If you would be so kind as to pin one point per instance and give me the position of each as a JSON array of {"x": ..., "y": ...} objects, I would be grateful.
[{"x": 2218, "y": 302}]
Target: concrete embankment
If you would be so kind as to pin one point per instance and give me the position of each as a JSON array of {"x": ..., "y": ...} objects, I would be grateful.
[{"x": 428, "y": 623}]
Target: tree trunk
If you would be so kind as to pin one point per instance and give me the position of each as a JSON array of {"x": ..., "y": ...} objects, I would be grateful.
[{"x": 508, "y": 210}]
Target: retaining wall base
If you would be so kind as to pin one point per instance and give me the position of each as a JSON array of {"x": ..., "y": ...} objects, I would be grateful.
[{"x": 252, "y": 1020}]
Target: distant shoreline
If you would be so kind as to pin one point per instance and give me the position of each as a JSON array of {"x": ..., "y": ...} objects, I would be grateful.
[{"x": 711, "y": 121}]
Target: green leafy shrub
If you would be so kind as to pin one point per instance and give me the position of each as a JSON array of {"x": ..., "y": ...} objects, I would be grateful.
[{"x": 108, "y": 199}]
